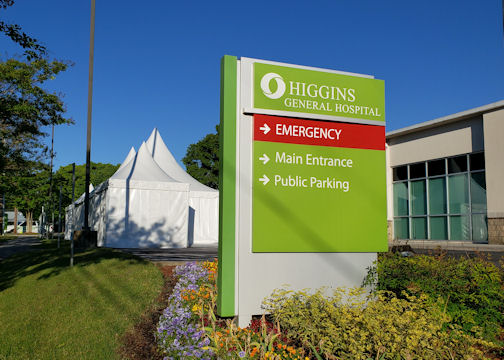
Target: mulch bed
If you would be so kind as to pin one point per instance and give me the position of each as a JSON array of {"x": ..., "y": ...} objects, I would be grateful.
[{"x": 138, "y": 343}]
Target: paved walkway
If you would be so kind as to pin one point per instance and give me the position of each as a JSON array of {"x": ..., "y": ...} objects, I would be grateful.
[
  {"x": 176, "y": 256},
  {"x": 20, "y": 244},
  {"x": 449, "y": 245},
  {"x": 494, "y": 253}
]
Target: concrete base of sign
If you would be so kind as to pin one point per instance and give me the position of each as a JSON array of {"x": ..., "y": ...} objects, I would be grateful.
[
  {"x": 304, "y": 271},
  {"x": 244, "y": 320}
]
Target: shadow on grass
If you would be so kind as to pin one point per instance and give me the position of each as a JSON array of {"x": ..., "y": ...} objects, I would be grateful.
[{"x": 50, "y": 261}]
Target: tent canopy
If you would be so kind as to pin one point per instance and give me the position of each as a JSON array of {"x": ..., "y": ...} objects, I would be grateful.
[
  {"x": 164, "y": 158},
  {"x": 143, "y": 172}
]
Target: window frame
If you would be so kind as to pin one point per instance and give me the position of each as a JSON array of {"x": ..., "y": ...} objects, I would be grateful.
[{"x": 448, "y": 214}]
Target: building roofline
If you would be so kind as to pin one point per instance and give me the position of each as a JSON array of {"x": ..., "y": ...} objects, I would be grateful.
[{"x": 445, "y": 119}]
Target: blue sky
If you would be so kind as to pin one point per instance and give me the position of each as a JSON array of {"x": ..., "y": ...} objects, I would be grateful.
[{"x": 157, "y": 63}]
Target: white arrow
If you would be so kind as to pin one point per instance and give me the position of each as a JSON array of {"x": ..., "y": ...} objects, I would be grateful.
[
  {"x": 264, "y": 179},
  {"x": 265, "y": 128},
  {"x": 264, "y": 159}
]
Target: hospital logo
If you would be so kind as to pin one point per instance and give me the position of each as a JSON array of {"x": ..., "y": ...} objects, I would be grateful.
[{"x": 265, "y": 86}]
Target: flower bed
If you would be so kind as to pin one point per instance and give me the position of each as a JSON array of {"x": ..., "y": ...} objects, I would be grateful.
[
  {"x": 190, "y": 329},
  {"x": 309, "y": 326}
]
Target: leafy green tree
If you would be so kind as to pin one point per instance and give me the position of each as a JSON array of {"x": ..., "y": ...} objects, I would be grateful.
[
  {"x": 33, "y": 49},
  {"x": 63, "y": 177},
  {"x": 202, "y": 160},
  {"x": 26, "y": 189},
  {"x": 26, "y": 108}
]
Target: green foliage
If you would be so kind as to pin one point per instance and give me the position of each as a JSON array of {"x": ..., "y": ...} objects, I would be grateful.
[
  {"x": 471, "y": 287},
  {"x": 63, "y": 177},
  {"x": 202, "y": 160},
  {"x": 28, "y": 188},
  {"x": 347, "y": 325},
  {"x": 25, "y": 109},
  {"x": 33, "y": 49}
]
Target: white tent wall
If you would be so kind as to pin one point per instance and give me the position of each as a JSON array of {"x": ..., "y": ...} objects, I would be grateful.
[
  {"x": 203, "y": 200},
  {"x": 76, "y": 222},
  {"x": 68, "y": 222},
  {"x": 142, "y": 217},
  {"x": 98, "y": 213},
  {"x": 203, "y": 218},
  {"x": 145, "y": 207}
]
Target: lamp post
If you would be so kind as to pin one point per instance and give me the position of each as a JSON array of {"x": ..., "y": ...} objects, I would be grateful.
[
  {"x": 89, "y": 111},
  {"x": 51, "y": 183}
]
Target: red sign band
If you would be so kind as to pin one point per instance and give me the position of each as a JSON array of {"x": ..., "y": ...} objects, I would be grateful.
[{"x": 316, "y": 132}]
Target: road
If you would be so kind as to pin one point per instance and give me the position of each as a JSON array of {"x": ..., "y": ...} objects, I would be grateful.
[{"x": 22, "y": 243}]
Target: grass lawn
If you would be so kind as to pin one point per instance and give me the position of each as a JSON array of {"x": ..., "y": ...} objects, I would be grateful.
[{"x": 51, "y": 311}]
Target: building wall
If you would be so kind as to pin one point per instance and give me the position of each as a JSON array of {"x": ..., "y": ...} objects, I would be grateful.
[
  {"x": 460, "y": 137},
  {"x": 493, "y": 125}
]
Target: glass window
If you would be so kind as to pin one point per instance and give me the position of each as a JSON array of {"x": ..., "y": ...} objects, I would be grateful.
[
  {"x": 479, "y": 228},
  {"x": 401, "y": 227},
  {"x": 478, "y": 192},
  {"x": 439, "y": 228},
  {"x": 457, "y": 164},
  {"x": 418, "y": 198},
  {"x": 417, "y": 171},
  {"x": 441, "y": 199},
  {"x": 459, "y": 228},
  {"x": 477, "y": 161},
  {"x": 419, "y": 228},
  {"x": 458, "y": 194},
  {"x": 437, "y": 196},
  {"x": 401, "y": 199},
  {"x": 400, "y": 173},
  {"x": 436, "y": 167}
]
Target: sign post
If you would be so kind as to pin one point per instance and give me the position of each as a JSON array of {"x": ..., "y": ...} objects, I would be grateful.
[{"x": 302, "y": 190}]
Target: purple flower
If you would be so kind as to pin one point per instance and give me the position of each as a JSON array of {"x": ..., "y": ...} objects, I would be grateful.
[
  {"x": 177, "y": 334},
  {"x": 241, "y": 354}
]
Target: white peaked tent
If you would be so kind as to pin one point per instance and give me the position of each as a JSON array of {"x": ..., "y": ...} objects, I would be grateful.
[
  {"x": 144, "y": 206},
  {"x": 203, "y": 200},
  {"x": 130, "y": 156},
  {"x": 140, "y": 206}
]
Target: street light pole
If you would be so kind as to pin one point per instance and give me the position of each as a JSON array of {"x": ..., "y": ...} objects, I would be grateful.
[
  {"x": 72, "y": 217},
  {"x": 59, "y": 218},
  {"x": 51, "y": 182},
  {"x": 89, "y": 111}
]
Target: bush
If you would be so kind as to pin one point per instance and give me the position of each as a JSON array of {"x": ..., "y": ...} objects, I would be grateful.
[
  {"x": 471, "y": 287},
  {"x": 346, "y": 325}
]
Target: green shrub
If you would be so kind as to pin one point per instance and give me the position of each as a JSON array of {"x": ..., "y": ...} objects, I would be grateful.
[
  {"x": 347, "y": 325},
  {"x": 471, "y": 287}
]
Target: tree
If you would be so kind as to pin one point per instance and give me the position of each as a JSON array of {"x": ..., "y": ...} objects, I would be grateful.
[
  {"x": 28, "y": 188},
  {"x": 25, "y": 108},
  {"x": 33, "y": 49},
  {"x": 202, "y": 160},
  {"x": 63, "y": 177}
]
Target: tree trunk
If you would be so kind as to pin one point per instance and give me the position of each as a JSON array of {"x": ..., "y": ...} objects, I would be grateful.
[
  {"x": 29, "y": 221},
  {"x": 15, "y": 220}
]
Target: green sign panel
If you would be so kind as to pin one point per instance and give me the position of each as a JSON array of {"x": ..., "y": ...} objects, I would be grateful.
[
  {"x": 294, "y": 89},
  {"x": 318, "y": 186}
]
